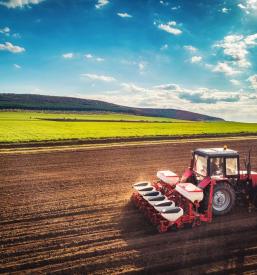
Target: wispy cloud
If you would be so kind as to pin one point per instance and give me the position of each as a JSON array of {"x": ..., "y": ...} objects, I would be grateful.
[
  {"x": 198, "y": 96},
  {"x": 248, "y": 6},
  {"x": 94, "y": 58},
  {"x": 16, "y": 35},
  {"x": 167, "y": 87},
  {"x": 164, "y": 47},
  {"x": 97, "y": 77},
  {"x": 124, "y": 15},
  {"x": 99, "y": 59},
  {"x": 190, "y": 48},
  {"x": 141, "y": 66},
  {"x": 68, "y": 55},
  {"x": 224, "y": 67},
  {"x": 253, "y": 81},
  {"x": 132, "y": 88},
  {"x": 164, "y": 3},
  {"x": 175, "y": 8},
  {"x": 101, "y": 3},
  {"x": 225, "y": 10},
  {"x": 196, "y": 59},
  {"x": 19, "y": 3},
  {"x": 16, "y": 66},
  {"x": 5, "y": 31},
  {"x": 88, "y": 56},
  {"x": 236, "y": 47},
  {"x": 235, "y": 82},
  {"x": 170, "y": 28},
  {"x": 8, "y": 46}
]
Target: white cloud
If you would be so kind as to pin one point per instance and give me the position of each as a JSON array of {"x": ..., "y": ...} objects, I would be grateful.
[
  {"x": 141, "y": 66},
  {"x": 236, "y": 47},
  {"x": 101, "y": 3},
  {"x": 16, "y": 35},
  {"x": 5, "y": 31},
  {"x": 169, "y": 27},
  {"x": 124, "y": 15},
  {"x": 212, "y": 102},
  {"x": 225, "y": 10},
  {"x": 19, "y": 3},
  {"x": 104, "y": 78},
  {"x": 175, "y": 8},
  {"x": 132, "y": 88},
  {"x": 235, "y": 82},
  {"x": 196, "y": 59},
  {"x": 250, "y": 40},
  {"x": 224, "y": 67},
  {"x": 88, "y": 56},
  {"x": 8, "y": 46},
  {"x": 253, "y": 81},
  {"x": 190, "y": 48},
  {"x": 68, "y": 55},
  {"x": 164, "y": 3},
  {"x": 209, "y": 66},
  {"x": 94, "y": 58},
  {"x": 99, "y": 59},
  {"x": 167, "y": 87},
  {"x": 241, "y": 6},
  {"x": 248, "y": 6},
  {"x": 172, "y": 23},
  {"x": 17, "y": 66},
  {"x": 164, "y": 47},
  {"x": 200, "y": 95}
]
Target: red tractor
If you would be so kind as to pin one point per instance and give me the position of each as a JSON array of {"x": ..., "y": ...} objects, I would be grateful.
[{"x": 210, "y": 186}]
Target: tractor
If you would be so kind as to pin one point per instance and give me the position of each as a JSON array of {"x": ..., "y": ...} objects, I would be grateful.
[{"x": 211, "y": 185}]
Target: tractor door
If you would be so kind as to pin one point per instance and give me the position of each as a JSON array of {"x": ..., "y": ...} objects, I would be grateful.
[{"x": 200, "y": 167}]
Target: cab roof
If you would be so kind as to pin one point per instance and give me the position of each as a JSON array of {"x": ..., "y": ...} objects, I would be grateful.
[{"x": 216, "y": 152}]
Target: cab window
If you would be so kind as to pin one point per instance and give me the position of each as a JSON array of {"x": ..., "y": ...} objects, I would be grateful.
[
  {"x": 216, "y": 166},
  {"x": 231, "y": 166},
  {"x": 200, "y": 165}
]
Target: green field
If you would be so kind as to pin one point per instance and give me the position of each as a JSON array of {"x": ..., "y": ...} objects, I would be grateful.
[{"x": 30, "y": 126}]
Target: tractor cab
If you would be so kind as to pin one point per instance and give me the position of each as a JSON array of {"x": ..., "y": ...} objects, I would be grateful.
[{"x": 218, "y": 163}]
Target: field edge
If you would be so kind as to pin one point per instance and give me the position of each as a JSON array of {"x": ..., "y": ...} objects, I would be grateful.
[{"x": 94, "y": 144}]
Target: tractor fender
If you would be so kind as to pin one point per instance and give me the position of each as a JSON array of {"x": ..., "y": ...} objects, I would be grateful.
[{"x": 204, "y": 183}]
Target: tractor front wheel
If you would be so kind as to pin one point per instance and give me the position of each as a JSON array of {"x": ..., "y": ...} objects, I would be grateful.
[{"x": 223, "y": 199}]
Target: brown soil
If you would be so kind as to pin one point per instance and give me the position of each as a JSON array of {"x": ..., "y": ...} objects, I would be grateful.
[{"x": 70, "y": 212}]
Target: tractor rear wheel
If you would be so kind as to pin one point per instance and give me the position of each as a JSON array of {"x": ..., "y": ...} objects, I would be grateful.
[{"x": 224, "y": 198}]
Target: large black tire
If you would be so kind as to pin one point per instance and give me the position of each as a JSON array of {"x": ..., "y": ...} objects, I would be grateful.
[{"x": 224, "y": 198}]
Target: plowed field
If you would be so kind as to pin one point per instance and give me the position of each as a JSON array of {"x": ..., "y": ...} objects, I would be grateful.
[{"x": 70, "y": 212}]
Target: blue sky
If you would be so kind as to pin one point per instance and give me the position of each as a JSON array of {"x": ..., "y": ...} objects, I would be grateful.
[{"x": 193, "y": 55}]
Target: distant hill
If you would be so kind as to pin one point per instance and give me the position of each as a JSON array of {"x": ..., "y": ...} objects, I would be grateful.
[{"x": 57, "y": 103}]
